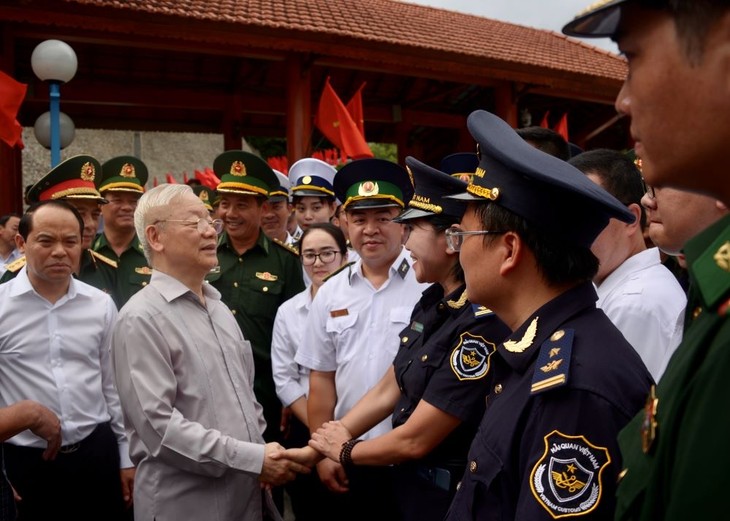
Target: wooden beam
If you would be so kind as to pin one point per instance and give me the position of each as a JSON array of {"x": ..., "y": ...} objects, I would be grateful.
[{"x": 505, "y": 104}]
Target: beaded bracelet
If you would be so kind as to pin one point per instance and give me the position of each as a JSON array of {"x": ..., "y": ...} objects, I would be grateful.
[{"x": 346, "y": 452}]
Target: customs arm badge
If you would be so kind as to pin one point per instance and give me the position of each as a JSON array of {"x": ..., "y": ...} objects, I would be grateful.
[
  {"x": 470, "y": 359},
  {"x": 566, "y": 480}
]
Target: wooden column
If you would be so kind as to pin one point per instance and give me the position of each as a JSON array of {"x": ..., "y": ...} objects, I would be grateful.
[
  {"x": 232, "y": 124},
  {"x": 506, "y": 104},
  {"x": 298, "y": 108}
]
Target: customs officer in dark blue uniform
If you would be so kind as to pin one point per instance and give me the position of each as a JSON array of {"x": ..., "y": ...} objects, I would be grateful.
[
  {"x": 436, "y": 387},
  {"x": 565, "y": 381}
]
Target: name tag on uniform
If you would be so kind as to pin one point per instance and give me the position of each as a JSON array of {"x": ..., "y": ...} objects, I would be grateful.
[{"x": 339, "y": 313}]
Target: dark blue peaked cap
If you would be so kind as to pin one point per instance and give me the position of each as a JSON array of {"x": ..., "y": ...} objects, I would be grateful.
[
  {"x": 601, "y": 19},
  {"x": 431, "y": 188},
  {"x": 548, "y": 192}
]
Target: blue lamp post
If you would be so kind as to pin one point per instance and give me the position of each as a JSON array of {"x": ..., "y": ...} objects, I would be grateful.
[{"x": 54, "y": 61}]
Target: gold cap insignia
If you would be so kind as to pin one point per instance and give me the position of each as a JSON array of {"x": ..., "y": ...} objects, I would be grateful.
[
  {"x": 480, "y": 172},
  {"x": 306, "y": 180},
  {"x": 722, "y": 256},
  {"x": 127, "y": 170},
  {"x": 238, "y": 169},
  {"x": 368, "y": 188},
  {"x": 519, "y": 346},
  {"x": 465, "y": 178},
  {"x": 204, "y": 196},
  {"x": 88, "y": 172}
]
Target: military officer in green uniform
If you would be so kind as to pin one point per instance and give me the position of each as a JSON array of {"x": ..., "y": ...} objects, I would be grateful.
[
  {"x": 74, "y": 181},
  {"x": 122, "y": 184},
  {"x": 257, "y": 274},
  {"x": 676, "y": 451},
  {"x": 208, "y": 197}
]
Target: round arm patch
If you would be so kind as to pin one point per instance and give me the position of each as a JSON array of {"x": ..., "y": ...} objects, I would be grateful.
[
  {"x": 566, "y": 480},
  {"x": 470, "y": 359}
]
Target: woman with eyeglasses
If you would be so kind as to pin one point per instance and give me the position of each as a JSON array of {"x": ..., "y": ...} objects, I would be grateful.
[
  {"x": 323, "y": 251},
  {"x": 436, "y": 387}
]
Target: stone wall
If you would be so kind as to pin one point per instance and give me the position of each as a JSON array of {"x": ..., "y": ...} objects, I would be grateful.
[{"x": 162, "y": 152}]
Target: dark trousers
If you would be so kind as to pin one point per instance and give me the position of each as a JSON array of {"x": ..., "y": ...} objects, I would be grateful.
[
  {"x": 82, "y": 483},
  {"x": 424, "y": 492},
  {"x": 371, "y": 494}
]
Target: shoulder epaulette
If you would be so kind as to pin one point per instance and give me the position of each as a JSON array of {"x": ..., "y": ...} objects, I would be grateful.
[
  {"x": 16, "y": 265},
  {"x": 289, "y": 248},
  {"x": 103, "y": 258},
  {"x": 338, "y": 270},
  {"x": 553, "y": 362}
]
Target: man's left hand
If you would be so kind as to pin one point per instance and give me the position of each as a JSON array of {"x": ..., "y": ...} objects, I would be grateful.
[{"x": 127, "y": 476}]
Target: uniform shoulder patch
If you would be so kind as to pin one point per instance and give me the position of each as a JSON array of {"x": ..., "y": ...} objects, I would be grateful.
[
  {"x": 481, "y": 311},
  {"x": 104, "y": 259},
  {"x": 553, "y": 363},
  {"x": 338, "y": 270},
  {"x": 16, "y": 265},
  {"x": 287, "y": 247},
  {"x": 566, "y": 480},
  {"x": 470, "y": 359}
]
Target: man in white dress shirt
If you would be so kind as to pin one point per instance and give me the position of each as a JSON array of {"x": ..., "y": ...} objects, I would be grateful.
[
  {"x": 55, "y": 333},
  {"x": 185, "y": 377},
  {"x": 640, "y": 296},
  {"x": 352, "y": 332},
  {"x": 8, "y": 230}
]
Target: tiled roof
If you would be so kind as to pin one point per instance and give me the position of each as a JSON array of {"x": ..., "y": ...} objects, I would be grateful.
[{"x": 392, "y": 22}]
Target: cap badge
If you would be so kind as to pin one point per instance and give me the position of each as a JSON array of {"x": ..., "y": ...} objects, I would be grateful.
[
  {"x": 88, "y": 172},
  {"x": 127, "y": 170},
  {"x": 480, "y": 172},
  {"x": 306, "y": 180},
  {"x": 204, "y": 196},
  {"x": 519, "y": 346},
  {"x": 238, "y": 169},
  {"x": 465, "y": 177},
  {"x": 722, "y": 257},
  {"x": 368, "y": 188}
]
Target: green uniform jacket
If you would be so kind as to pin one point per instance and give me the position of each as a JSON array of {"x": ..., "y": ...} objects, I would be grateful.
[
  {"x": 253, "y": 286},
  {"x": 133, "y": 273},
  {"x": 684, "y": 474},
  {"x": 96, "y": 270}
]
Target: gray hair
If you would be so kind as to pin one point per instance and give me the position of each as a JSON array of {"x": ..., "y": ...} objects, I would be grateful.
[{"x": 148, "y": 210}]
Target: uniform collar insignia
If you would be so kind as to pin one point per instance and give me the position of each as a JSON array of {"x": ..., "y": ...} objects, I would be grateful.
[
  {"x": 519, "y": 346},
  {"x": 722, "y": 257},
  {"x": 403, "y": 269}
]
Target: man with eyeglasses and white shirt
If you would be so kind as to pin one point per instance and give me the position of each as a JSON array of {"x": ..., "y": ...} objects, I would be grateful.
[{"x": 185, "y": 377}]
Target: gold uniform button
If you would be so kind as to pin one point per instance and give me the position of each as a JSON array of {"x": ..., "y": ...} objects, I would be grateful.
[
  {"x": 266, "y": 288},
  {"x": 497, "y": 388},
  {"x": 144, "y": 284},
  {"x": 240, "y": 260},
  {"x": 557, "y": 335},
  {"x": 235, "y": 284},
  {"x": 404, "y": 339},
  {"x": 621, "y": 475},
  {"x": 696, "y": 312},
  {"x": 424, "y": 358},
  {"x": 403, "y": 409},
  {"x": 233, "y": 311},
  {"x": 473, "y": 466}
]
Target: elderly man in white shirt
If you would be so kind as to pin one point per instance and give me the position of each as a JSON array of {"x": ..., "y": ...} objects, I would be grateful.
[
  {"x": 640, "y": 296},
  {"x": 8, "y": 230},
  {"x": 185, "y": 376},
  {"x": 55, "y": 334}
]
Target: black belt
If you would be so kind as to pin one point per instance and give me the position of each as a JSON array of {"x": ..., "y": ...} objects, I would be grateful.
[
  {"x": 441, "y": 478},
  {"x": 71, "y": 447}
]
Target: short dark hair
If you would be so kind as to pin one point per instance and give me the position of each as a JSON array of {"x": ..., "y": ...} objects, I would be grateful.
[
  {"x": 26, "y": 222},
  {"x": 331, "y": 229},
  {"x": 618, "y": 174},
  {"x": 546, "y": 140},
  {"x": 559, "y": 261},
  {"x": 5, "y": 218}
]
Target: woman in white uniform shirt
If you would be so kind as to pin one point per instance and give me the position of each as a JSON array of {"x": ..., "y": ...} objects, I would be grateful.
[{"x": 323, "y": 251}]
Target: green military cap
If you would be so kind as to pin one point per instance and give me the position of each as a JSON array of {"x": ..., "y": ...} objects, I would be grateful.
[
  {"x": 123, "y": 174},
  {"x": 206, "y": 195},
  {"x": 373, "y": 183},
  {"x": 244, "y": 173},
  {"x": 74, "y": 178}
]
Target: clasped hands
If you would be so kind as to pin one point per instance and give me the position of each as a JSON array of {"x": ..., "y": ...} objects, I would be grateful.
[{"x": 326, "y": 442}]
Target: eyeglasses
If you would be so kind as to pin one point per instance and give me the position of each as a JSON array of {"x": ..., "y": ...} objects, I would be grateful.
[
  {"x": 202, "y": 224},
  {"x": 326, "y": 257},
  {"x": 455, "y": 236}
]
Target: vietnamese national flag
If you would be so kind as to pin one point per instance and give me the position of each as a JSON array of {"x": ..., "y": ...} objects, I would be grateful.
[
  {"x": 337, "y": 125},
  {"x": 354, "y": 107},
  {"x": 12, "y": 94},
  {"x": 562, "y": 127},
  {"x": 170, "y": 179},
  {"x": 544, "y": 123}
]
